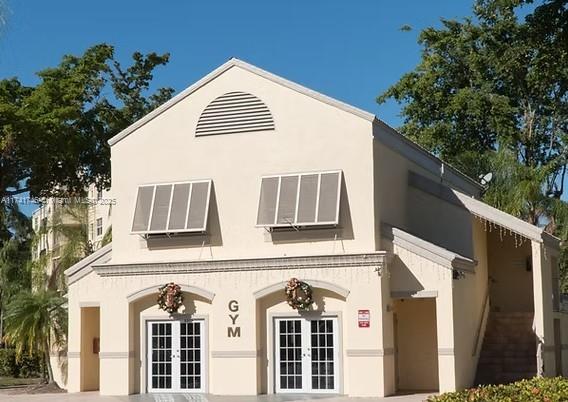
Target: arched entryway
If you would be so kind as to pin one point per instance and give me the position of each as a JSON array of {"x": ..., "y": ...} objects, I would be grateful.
[
  {"x": 300, "y": 352},
  {"x": 169, "y": 352}
]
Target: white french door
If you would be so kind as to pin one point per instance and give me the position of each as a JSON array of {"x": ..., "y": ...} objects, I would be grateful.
[
  {"x": 307, "y": 355},
  {"x": 176, "y": 356}
]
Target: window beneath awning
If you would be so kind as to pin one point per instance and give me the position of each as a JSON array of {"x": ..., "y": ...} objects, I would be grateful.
[
  {"x": 301, "y": 199},
  {"x": 172, "y": 208}
]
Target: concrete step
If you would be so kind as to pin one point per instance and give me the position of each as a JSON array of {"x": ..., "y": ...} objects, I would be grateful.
[
  {"x": 509, "y": 360},
  {"x": 508, "y": 352}
]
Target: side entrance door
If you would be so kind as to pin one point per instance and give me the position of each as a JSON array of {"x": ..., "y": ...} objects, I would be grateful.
[
  {"x": 307, "y": 355},
  {"x": 175, "y": 356}
]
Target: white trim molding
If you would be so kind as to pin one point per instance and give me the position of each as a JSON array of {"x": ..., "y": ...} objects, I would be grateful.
[
  {"x": 116, "y": 355},
  {"x": 85, "y": 266},
  {"x": 369, "y": 352},
  {"x": 234, "y": 354},
  {"x": 445, "y": 351},
  {"x": 86, "y": 304},
  {"x": 413, "y": 294},
  {"x": 377, "y": 260},
  {"x": 73, "y": 355},
  {"x": 316, "y": 283},
  {"x": 206, "y": 294}
]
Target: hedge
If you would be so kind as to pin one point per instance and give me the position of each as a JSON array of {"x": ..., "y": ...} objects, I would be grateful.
[
  {"x": 27, "y": 367},
  {"x": 533, "y": 390}
]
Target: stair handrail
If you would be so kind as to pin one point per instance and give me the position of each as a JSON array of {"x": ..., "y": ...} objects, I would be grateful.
[{"x": 482, "y": 320}]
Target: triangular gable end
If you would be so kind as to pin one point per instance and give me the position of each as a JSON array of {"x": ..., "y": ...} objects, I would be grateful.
[{"x": 250, "y": 68}]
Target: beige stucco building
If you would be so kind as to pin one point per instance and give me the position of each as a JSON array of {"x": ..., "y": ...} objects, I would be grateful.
[{"x": 245, "y": 180}]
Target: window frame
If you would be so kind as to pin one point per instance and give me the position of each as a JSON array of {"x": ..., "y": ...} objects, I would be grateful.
[
  {"x": 97, "y": 226},
  {"x": 297, "y": 224}
]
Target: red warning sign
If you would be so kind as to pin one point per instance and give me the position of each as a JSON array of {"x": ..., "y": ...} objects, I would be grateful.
[{"x": 364, "y": 318}]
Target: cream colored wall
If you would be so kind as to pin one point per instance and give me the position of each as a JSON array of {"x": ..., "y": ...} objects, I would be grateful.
[
  {"x": 309, "y": 136},
  {"x": 469, "y": 296},
  {"x": 543, "y": 316},
  {"x": 439, "y": 222},
  {"x": 511, "y": 285},
  {"x": 391, "y": 183},
  {"x": 422, "y": 214},
  {"x": 122, "y": 357},
  {"x": 416, "y": 340},
  {"x": 412, "y": 273}
]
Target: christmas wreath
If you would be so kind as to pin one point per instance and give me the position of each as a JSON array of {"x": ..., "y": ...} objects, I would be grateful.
[
  {"x": 170, "y": 297},
  {"x": 299, "y": 294}
]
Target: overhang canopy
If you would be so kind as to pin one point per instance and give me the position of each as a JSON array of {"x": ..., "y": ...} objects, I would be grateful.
[{"x": 430, "y": 251}]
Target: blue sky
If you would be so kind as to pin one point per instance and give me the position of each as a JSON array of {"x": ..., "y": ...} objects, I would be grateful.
[{"x": 350, "y": 50}]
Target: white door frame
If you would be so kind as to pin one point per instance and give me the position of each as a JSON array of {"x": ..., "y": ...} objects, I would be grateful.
[
  {"x": 305, "y": 316},
  {"x": 145, "y": 351}
]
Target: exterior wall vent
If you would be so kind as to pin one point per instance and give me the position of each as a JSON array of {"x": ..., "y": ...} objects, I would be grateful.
[{"x": 234, "y": 112}]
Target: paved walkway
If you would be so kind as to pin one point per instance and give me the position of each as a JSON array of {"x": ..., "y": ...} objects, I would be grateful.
[{"x": 95, "y": 397}]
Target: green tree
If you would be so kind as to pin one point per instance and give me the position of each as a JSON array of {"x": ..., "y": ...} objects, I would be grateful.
[
  {"x": 69, "y": 227},
  {"x": 53, "y": 141},
  {"x": 15, "y": 253},
  {"x": 107, "y": 238},
  {"x": 490, "y": 95},
  {"x": 53, "y": 136},
  {"x": 35, "y": 321}
]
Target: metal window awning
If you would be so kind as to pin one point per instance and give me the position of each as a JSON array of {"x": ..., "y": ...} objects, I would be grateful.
[
  {"x": 299, "y": 199},
  {"x": 172, "y": 208}
]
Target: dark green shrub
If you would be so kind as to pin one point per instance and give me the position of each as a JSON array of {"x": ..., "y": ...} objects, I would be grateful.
[
  {"x": 8, "y": 366},
  {"x": 533, "y": 390},
  {"x": 26, "y": 367},
  {"x": 29, "y": 367}
]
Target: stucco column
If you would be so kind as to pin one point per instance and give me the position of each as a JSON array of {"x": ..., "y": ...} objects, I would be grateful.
[
  {"x": 445, "y": 328},
  {"x": 388, "y": 385},
  {"x": 233, "y": 344},
  {"x": 368, "y": 348},
  {"x": 74, "y": 345},
  {"x": 543, "y": 317},
  {"x": 114, "y": 346}
]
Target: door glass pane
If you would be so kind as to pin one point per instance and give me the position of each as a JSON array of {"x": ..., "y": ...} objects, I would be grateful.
[
  {"x": 290, "y": 354},
  {"x": 161, "y": 356},
  {"x": 190, "y": 355},
  {"x": 322, "y": 354}
]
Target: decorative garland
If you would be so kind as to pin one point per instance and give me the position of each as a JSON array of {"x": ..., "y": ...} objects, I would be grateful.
[
  {"x": 298, "y": 301},
  {"x": 170, "y": 297}
]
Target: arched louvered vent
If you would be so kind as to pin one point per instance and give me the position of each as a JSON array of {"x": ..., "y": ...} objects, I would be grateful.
[{"x": 234, "y": 112}]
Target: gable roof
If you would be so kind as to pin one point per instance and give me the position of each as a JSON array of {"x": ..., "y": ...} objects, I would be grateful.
[
  {"x": 83, "y": 267},
  {"x": 399, "y": 139},
  {"x": 250, "y": 68}
]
